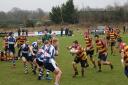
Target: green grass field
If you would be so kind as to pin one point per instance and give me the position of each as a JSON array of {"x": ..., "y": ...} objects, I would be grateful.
[{"x": 9, "y": 76}]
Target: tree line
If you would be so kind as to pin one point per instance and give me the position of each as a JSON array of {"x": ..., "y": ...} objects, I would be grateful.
[
  {"x": 17, "y": 16},
  {"x": 66, "y": 13}
]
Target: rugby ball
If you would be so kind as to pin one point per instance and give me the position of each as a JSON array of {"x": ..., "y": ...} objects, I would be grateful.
[{"x": 72, "y": 50}]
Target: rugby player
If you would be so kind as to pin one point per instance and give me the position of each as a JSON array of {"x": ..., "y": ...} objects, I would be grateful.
[{"x": 102, "y": 53}]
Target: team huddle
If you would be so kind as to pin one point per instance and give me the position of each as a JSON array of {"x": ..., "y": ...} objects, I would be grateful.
[
  {"x": 83, "y": 54},
  {"x": 40, "y": 57}
]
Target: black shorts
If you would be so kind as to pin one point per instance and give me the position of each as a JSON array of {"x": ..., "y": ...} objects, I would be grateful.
[
  {"x": 49, "y": 66},
  {"x": 39, "y": 62},
  {"x": 108, "y": 38},
  {"x": 26, "y": 56},
  {"x": 11, "y": 50},
  {"x": 126, "y": 70},
  {"x": 82, "y": 62},
  {"x": 113, "y": 43},
  {"x": 31, "y": 58},
  {"x": 102, "y": 57},
  {"x": 90, "y": 53}
]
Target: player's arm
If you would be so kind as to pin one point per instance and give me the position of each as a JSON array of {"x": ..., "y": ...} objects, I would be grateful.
[
  {"x": 70, "y": 47},
  {"x": 30, "y": 48},
  {"x": 15, "y": 45},
  {"x": 57, "y": 43},
  {"x": 122, "y": 57},
  {"x": 76, "y": 50}
]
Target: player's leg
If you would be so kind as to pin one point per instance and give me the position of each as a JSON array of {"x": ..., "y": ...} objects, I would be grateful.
[
  {"x": 19, "y": 52},
  {"x": 8, "y": 56},
  {"x": 40, "y": 76},
  {"x": 74, "y": 64},
  {"x": 58, "y": 74},
  {"x": 24, "y": 59},
  {"x": 99, "y": 62},
  {"x": 99, "y": 65},
  {"x": 111, "y": 44},
  {"x": 75, "y": 69},
  {"x": 39, "y": 65},
  {"x": 35, "y": 66},
  {"x": 12, "y": 56},
  {"x": 92, "y": 59},
  {"x": 105, "y": 62},
  {"x": 48, "y": 75},
  {"x": 113, "y": 48},
  {"x": 31, "y": 61},
  {"x": 108, "y": 63},
  {"x": 83, "y": 66},
  {"x": 54, "y": 68},
  {"x": 126, "y": 71},
  {"x": 5, "y": 53}
]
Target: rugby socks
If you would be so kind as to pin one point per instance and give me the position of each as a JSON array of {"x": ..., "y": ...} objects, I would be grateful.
[
  {"x": 34, "y": 69},
  {"x": 56, "y": 84},
  {"x": 26, "y": 68},
  {"x": 47, "y": 73},
  {"x": 111, "y": 66},
  {"x": 94, "y": 63},
  {"x": 40, "y": 74},
  {"x": 14, "y": 62},
  {"x": 99, "y": 64},
  {"x": 82, "y": 72},
  {"x": 32, "y": 66},
  {"x": 76, "y": 72},
  {"x": 75, "y": 69}
]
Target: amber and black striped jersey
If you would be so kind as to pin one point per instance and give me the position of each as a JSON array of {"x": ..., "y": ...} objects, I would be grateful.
[
  {"x": 113, "y": 36},
  {"x": 6, "y": 42},
  {"x": 21, "y": 40},
  {"x": 81, "y": 53},
  {"x": 101, "y": 46},
  {"x": 126, "y": 55},
  {"x": 54, "y": 41},
  {"x": 89, "y": 45}
]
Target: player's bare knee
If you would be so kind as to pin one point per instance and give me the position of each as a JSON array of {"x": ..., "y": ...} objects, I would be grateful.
[{"x": 73, "y": 63}]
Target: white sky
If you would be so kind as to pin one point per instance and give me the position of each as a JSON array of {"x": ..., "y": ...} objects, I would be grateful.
[{"x": 46, "y": 5}]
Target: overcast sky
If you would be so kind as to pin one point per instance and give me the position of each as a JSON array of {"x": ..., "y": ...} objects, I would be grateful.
[{"x": 46, "y": 5}]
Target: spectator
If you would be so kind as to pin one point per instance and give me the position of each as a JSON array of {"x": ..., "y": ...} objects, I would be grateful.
[
  {"x": 124, "y": 29},
  {"x": 19, "y": 31},
  {"x": 61, "y": 31},
  {"x": 66, "y": 31},
  {"x": 26, "y": 32},
  {"x": 50, "y": 31}
]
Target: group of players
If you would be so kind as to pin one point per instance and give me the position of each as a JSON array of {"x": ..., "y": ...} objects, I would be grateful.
[
  {"x": 83, "y": 54},
  {"x": 39, "y": 56},
  {"x": 42, "y": 56}
]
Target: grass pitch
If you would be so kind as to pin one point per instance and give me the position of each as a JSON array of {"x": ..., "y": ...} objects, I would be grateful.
[{"x": 9, "y": 76}]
